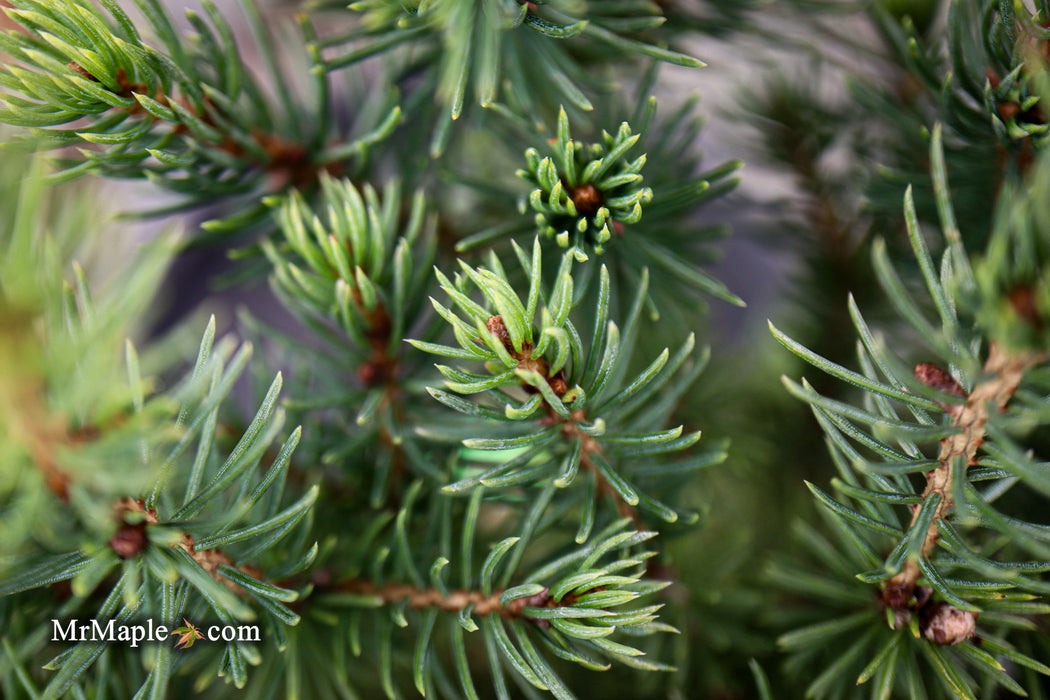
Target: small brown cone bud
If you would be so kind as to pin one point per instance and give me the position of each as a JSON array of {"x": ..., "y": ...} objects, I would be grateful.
[
  {"x": 946, "y": 625},
  {"x": 558, "y": 384},
  {"x": 897, "y": 595},
  {"x": 81, "y": 70},
  {"x": 130, "y": 541},
  {"x": 1008, "y": 110},
  {"x": 499, "y": 329},
  {"x": 938, "y": 378},
  {"x": 587, "y": 198},
  {"x": 933, "y": 376}
]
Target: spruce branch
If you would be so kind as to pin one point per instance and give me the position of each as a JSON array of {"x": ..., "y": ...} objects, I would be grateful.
[
  {"x": 581, "y": 190},
  {"x": 631, "y": 197},
  {"x": 356, "y": 270},
  {"x": 568, "y": 607},
  {"x": 456, "y": 601},
  {"x": 924, "y": 650},
  {"x": 107, "y": 497},
  {"x": 388, "y": 546},
  {"x": 191, "y": 120},
  {"x": 212, "y": 545},
  {"x": 976, "y": 71},
  {"x": 1005, "y": 374},
  {"x": 66, "y": 405},
  {"x": 564, "y": 404},
  {"x": 467, "y": 43},
  {"x": 947, "y": 576},
  {"x": 980, "y": 78},
  {"x": 590, "y": 450}
]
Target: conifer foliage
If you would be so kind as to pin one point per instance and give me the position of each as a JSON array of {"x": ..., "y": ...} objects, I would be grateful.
[{"x": 467, "y": 460}]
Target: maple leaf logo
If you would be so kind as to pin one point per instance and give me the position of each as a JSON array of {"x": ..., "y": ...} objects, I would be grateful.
[{"x": 187, "y": 635}]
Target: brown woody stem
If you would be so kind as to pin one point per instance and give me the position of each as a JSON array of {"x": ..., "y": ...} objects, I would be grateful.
[
  {"x": 455, "y": 601},
  {"x": 289, "y": 161},
  {"x": 1005, "y": 372},
  {"x": 130, "y": 541}
]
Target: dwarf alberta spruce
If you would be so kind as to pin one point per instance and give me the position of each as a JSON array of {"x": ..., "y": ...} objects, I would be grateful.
[{"x": 463, "y": 460}]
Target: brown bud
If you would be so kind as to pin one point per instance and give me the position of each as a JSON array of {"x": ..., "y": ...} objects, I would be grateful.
[
  {"x": 498, "y": 328},
  {"x": 896, "y": 595},
  {"x": 933, "y": 376},
  {"x": 130, "y": 540},
  {"x": 945, "y": 625},
  {"x": 558, "y": 384},
  {"x": 587, "y": 198},
  {"x": 81, "y": 70},
  {"x": 938, "y": 378},
  {"x": 1008, "y": 110}
]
